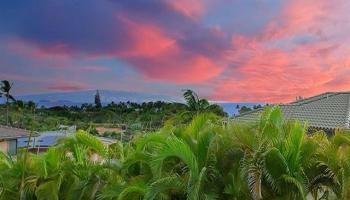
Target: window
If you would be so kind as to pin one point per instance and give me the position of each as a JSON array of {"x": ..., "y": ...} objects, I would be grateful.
[{"x": 12, "y": 147}]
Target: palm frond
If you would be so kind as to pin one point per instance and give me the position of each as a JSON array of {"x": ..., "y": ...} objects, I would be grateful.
[
  {"x": 137, "y": 187},
  {"x": 175, "y": 147},
  {"x": 295, "y": 183},
  {"x": 91, "y": 142},
  {"x": 276, "y": 166},
  {"x": 47, "y": 191},
  {"x": 173, "y": 183}
]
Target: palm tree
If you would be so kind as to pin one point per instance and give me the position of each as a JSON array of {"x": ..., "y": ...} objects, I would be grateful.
[
  {"x": 196, "y": 106},
  {"x": 285, "y": 165},
  {"x": 185, "y": 161},
  {"x": 67, "y": 171},
  {"x": 332, "y": 170},
  {"x": 270, "y": 159},
  {"x": 276, "y": 156},
  {"x": 5, "y": 90},
  {"x": 174, "y": 163},
  {"x": 194, "y": 103}
]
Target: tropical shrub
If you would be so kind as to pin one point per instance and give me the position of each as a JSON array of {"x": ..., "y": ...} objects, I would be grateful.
[{"x": 205, "y": 159}]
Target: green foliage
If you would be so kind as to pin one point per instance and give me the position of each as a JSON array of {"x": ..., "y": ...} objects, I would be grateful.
[
  {"x": 272, "y": 159},
  {"x": 195, "y": 105},
  {"x": 143, "y": 117},
  {"x": 5, "y": 90},
  {"x": 134, "y": 117}
]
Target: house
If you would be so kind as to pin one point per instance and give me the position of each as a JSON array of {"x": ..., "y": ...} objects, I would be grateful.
[
  {"x": 327, "y": 111},
  {"x": 9, "y": 138},
  {"x": 44, "y": 140}
]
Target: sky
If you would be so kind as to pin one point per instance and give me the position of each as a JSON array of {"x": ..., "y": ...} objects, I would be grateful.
[{"x": 226, "y": 50}]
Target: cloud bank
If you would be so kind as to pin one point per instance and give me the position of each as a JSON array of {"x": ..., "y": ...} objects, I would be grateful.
[{"x": 262, "y": 51}]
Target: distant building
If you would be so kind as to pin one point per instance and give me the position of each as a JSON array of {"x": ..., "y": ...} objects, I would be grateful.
[
  {"x": 102, "y": 129},
  {"x": 327, "y": 111},
  {"x": 9, "y": 138},
  {"x": 46, "y": 139}
]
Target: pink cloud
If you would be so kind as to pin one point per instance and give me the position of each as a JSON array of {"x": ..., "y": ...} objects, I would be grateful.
[
  {"x": 63, "y": 85},
  {"x": 193, "y": 69},
  {"x": 266, "y": 72},
  {"x": 58, "y": 50},
  {"x": 65, "y": 88},
  {"x": 189, "y": 8},
  {"x": 56, "y": 56},
  {"x": 145, "y": 40},
  {"x": 147, "y": 46},
  {"x": 38, "y": 56},
  {"x": 301, "y": 52},
  {"x": 159, "y": 56},
  {"x": 16, "y": 77},
  {"x": 275, "y": 75},
  {"x": 27, "y": 49},
  {"x": 315, "y": 17}
]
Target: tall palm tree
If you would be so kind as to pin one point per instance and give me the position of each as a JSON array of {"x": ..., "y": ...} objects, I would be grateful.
[
  {"x": 5, "y": 90},
  {"x": 195, "y": 105}
]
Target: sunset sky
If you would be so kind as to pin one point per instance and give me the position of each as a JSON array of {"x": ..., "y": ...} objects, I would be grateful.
[{"x": 226, "y": 50}]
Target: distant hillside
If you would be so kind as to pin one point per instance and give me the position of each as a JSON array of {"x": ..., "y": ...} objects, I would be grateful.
[
  {"x": 107, "y": 96},
  {"x": 80, "y": 97}
]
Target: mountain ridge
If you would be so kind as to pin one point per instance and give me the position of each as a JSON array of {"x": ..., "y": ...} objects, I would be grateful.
[
  {"x": 87, "y": 96},
  {"x": 107, "y": 96}
]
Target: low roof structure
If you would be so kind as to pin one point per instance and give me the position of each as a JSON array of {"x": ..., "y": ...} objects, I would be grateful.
[
  {"x": 7, "y": 132},
  {"x": 47, "y": 138},
  {"x": 102, "y": 130},
  {"x": 329, "y": 110},
  {"x": 50, "y": 138}
]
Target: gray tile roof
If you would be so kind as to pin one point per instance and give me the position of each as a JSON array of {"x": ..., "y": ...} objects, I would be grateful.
[
  {"x": 50, "y": 138},
  {"x": 44, "y": 139},
  {"x": 327, "y": 110},
  {"x": 12, "y": 133}
]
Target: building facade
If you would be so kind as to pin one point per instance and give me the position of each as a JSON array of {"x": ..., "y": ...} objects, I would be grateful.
[{"x": 9, "y": 138}]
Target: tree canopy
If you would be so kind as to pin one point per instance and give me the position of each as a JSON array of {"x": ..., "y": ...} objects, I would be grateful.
[{"x": 270, "y": 159}]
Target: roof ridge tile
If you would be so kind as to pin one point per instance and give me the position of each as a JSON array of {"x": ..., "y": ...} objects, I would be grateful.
[{"x": 328, "y": 110}]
